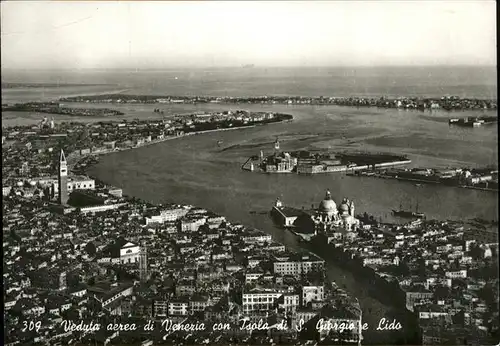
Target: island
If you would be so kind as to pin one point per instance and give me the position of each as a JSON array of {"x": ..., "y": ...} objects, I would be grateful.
[
  {"x": 203, "y": 121},
  {"x": 56, "y": 108},
  {"x": 315, "y": 162},
  {"x": 449, "y": 103}
]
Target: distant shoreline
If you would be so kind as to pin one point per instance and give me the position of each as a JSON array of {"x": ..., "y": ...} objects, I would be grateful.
[
  {"x": 447, "y": 103},
  {"x": 175, "y": 68},
  {"x": 49, "y": 85}
]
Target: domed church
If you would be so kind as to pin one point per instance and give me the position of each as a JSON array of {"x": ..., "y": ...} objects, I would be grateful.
[
  {"x": 329, "y": 218},
  {"x": 328, "y": 214}
]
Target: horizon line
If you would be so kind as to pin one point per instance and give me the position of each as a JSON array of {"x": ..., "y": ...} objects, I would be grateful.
[{"x": 243, "y": 66}]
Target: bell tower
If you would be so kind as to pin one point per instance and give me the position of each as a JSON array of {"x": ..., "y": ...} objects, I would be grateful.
[
  {"x": 351, "y": 209},
  {"x": 143, "y": 263},
  {"x": 63, "y": 179}
]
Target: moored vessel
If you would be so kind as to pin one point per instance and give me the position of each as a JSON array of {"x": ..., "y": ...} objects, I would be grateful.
[{"x": 408, "y": 213}]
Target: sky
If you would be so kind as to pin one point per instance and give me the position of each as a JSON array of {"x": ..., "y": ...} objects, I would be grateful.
[{"x": 97, "y": 34}]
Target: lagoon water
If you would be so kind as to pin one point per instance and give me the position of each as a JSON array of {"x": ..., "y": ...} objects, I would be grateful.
[
  {"x": 470, "y": 81},
  {"x": 195, "y": 170}
]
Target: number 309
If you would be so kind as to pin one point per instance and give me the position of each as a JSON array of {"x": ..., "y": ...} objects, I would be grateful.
[{"x": 30, "y": 326}]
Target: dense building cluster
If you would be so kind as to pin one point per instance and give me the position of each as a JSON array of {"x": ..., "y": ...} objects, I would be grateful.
[
  {"x": 152, "y": 263},
  {"x": 78, "y": 254},
  {"x": 444, "y": 272}
]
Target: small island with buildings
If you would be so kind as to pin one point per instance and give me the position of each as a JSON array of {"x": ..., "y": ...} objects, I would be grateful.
[
  {"x": 316, "y": 162},
  {"x": 203, "y": 121}
]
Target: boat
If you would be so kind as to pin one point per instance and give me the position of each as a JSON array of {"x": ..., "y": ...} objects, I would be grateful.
[
  {"x": 402, "y": 213},
  {"x": 408, "y": 213}
]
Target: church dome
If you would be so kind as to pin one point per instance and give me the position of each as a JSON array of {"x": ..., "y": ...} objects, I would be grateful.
[
  {"x": 328, "y": 205},
  {"x": 344, "y": 207}
]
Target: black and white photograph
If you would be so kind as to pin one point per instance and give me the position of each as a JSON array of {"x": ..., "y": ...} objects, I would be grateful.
[{"x": 250, "y": 173}]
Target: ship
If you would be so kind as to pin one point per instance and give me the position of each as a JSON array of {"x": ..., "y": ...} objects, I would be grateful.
[{"x": 408, "y": 213}]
